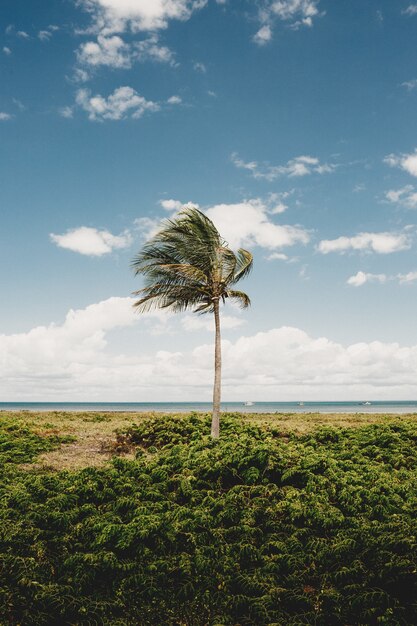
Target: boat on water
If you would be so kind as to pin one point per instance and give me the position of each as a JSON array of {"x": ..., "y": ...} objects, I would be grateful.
[
  {"x": 366, "y": 403},
  {"x": 301, "y": 404},
  {"x": 248, "y": 403}
]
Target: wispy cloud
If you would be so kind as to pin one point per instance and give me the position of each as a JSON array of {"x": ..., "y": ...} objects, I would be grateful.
[
  {"x": 381, "y": 243},
  {"x": 410, "y": 10},
  {"x": 410, "y": 84},
  {"x": 361, "y": 278},
  {"x": 91, "y": 242},
  {"x": 295, "y": 13},
  {"x": 123, "y": 103},
  {"x": 303, "y": 165},
  {"x": 67, "y": 112},
  {"x": 6, "y": 51},
  {"x": 406, "y": 196},
  {"x": 5, "y": 116},
  {"x": 200, "y": 67}
]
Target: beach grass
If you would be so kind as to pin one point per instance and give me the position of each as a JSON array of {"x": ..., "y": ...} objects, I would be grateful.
[{"x": 92, "y": 436}]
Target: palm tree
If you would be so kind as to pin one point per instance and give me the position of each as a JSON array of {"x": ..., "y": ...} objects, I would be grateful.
[{"x": 188, "y": 265}]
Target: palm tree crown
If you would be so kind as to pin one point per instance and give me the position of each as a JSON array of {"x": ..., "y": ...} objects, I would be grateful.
[{"x": 188, "y": 265}]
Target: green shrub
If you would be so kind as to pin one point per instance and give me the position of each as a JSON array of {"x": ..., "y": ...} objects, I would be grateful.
[{"x": 247, "y": 530}]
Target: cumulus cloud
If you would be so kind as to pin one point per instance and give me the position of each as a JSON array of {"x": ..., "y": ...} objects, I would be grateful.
[
  {"x": 382, "y": 243},
  {"x": 113, "y": 51},
  {"x": 79, "y": 360},
  {"x": 361, "y": 278},
  {"x": 90, "y": 241},
  {"x": 199, "y": 322},
  {"x": 5, "y": 116},
  {"x": 242, "y": 224},
  {"x": 174, "y": 100},
  {"x": 303, "y": 165},
  {"x": 116, "y": 16},
  {"x": 110, "y": 51},
  {"x": 171, "y": 205},
  {"x": 264, "y": 35},
  {"x": 406, "y": 162},
  {"x": 296, "y": 13},
  {"x": 406, "y": 196},
  {"x": 7, "y": 51},
  {"x": 410, "y": 277},
  {"x": 248, "y": 224},
  {"x": 124, "y": 102}
]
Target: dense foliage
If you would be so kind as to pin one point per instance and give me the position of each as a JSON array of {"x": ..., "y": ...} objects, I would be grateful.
[{"x": 253, "y": 529}]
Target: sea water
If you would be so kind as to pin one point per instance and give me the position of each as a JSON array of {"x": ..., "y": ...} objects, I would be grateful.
[{"x": 404, "y": 406}]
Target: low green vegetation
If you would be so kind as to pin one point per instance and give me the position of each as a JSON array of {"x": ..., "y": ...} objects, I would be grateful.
[{"x": 263, "y": 527}]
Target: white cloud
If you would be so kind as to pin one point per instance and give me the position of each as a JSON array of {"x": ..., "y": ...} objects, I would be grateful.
[
  {"x": 174, "y": 100},
  {"x": 243, "y": 224},
  {"x": 303, "y": 165},
  {"x": 361, "y": 278},
  {"x": 171, "y": 205},
  {"x": 410, "y": 10},
  {"x": 5, "y": 116},
  {"x": 296, "y": 13},
  {"x": 410, "y": 84},
  {"x": 263, "y": 36},
  {"x": 151, "y": 50},
  {"x": 248, "y": 224},
  {"x": 406, "y": 162},
  {"x": 90, "y": 241},
  {"x": 278, "y": 256},
  {"x": 22, "y": 34},
  {"x": 116, "y": 16},
  {"x": 46, "y": 34},
  {"x": 7, "y": 51},
  {"x": 406, "y": 196},
  {"x": 110, "y": 51},
  {"x": 79, "y": 360},
  {"x": 200, "y": 67},
  {"x": 124, "y": 102},
  {"x": 67, "y": 112},
  {"x": 407, "y": 278},
  {"x": 382, "y": 243},
  {"x": 79, "y": 76},
  {"x": 194, "y": 322}
]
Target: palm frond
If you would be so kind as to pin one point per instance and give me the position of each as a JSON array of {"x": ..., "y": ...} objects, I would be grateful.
[
  {"x": 188, "y": 265},
  {"x": 241, "y": 298}
]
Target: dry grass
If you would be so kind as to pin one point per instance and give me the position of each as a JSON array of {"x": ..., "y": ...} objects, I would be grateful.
[{"x": 95, "y": 432}]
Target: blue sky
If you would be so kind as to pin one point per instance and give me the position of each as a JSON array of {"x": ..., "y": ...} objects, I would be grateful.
[{"x": 292, "y": 123}]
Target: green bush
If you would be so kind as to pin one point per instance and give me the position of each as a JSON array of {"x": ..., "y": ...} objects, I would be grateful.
[{"x": 248, "y": 530}]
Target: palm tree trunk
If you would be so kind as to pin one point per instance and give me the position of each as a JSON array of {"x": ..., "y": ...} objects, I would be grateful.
[{"x": 215, "y": 422}]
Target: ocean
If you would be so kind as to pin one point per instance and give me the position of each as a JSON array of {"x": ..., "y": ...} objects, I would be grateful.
[{"x": 406, "y": 406}]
